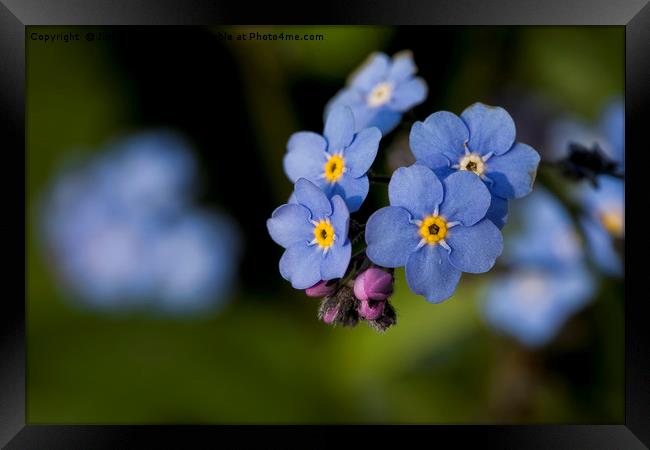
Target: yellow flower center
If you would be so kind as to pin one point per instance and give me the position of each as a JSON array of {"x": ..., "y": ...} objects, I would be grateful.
[
  {"x": 613, "y": 222},
  {"x": 324, "y": 233},
  {"x": 380, "y": 94},
  {"x": 473, "y": 163},
  {"x": 334, "y": 168},
  {"x": 433, "y": 229}
]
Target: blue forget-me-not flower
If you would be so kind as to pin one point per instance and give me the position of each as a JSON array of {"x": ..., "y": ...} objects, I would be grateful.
[
  {"x": 381, "y": 90},
  {"x": 480, "y": 141},
  {"x": 336, "y": 162},
  {"x": 124, "y": 234},
  {"x": 548, "y": 281},
  {"x": 314, "y": 232},
  {"x": 435, "y": 229}
]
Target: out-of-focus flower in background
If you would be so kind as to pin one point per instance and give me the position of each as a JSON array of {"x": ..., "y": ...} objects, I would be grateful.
[
  {"x": 148, "y": 174},
  {"x": 604, "y": 222},
  {"x": 195, "y": 261},
  {"x": 612, "y": 125},
  {"x": 381, "y": 90},
  {"x": 603, "y": 203},
  {"x": 548, "y": 280},
  {"x": 122, "y": 232},
  {"x": 608, "y": 133}
]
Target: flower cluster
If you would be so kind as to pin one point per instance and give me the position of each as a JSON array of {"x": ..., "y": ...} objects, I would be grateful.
[
  {"x": 124, "y": 233},
  {"x": 445, "y": 212}
]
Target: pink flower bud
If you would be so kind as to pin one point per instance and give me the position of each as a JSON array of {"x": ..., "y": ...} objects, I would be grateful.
[
  {"x": 373, "y": 284},
  {"x": 330, "y": 315},
  {"x": 320, "y": 289},
  {"x": 371, "y": 309}
]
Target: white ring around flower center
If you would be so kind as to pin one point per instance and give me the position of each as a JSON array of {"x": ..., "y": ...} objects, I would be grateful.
[
  {"x": 472, "y": 162},
  {"x": 380, "y": 94}
]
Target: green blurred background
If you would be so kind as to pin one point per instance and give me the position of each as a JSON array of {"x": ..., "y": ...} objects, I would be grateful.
[{"x": 265, "y": 358}]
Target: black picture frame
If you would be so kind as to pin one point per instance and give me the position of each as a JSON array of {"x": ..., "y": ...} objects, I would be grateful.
[{"x": 15, "y": 15}]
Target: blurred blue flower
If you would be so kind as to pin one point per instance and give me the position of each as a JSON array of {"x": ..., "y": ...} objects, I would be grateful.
[
  {"x": 612, "y": 126},
  {"x": 381, "y": 90},
  {"x": 604, "y": 222},
  {"x": 545, "y": 237},
  {"x": 149, "y": 172},
  {"x": 314, "y": 232},
  {"x": 533, "y": 305},
  {"x": 548, "y": 281},
  {"x": 608, "y": 133},
  {"x": 194, "y": 261},
  {"x": 481, "y": 141},
  {"x": 123, "y": 233},
  {"x": 338, "y": 162},
  {"x": 604, "y": 205},
  {"x": 435, "y": 229}
]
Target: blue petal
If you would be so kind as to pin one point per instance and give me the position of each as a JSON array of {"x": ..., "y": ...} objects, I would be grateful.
[
  {"x": 474, "y": 249},
  {"x": 439, "y": 140},
  {"x": 612, "y": 123},
  {"x": 340, "y": 218},
  {"x": 360, "y": 155},
  {"x": 466, "y": 198},
  {"x": 382, "y": 118},
  {"x": 310, "y": 196},
  {"x": 353, "y": 190},
  {"x": 533, "y": 305},
  {"x": 532, "y": 245},
  {"x": 443, "y": 172},
  {"x": 391, "y": 237},
  {"x": 364, "y": 116},
  {"x": 513, "y": 173},
  {"x": 306, "y": 155},
  {"x": 417, "y": 189},
  {"x": 526, "y": 306},
  {"x": 401, "y": 68},
  {"x": 429, "y": 273},
  {"x": 336, "y": 261},
  {"x": 601, "y": 248},
  {"x": 289, "y": 224},
  {"x": 300, "y": 264},
  {"x": 408, "y": 94},
  {"x": 498, "y": 211},
  {"x": 371, "y": 72},
  {"x": 491, "y": 129},
  {"x": 339, "y": 129},
  {"x": 307, "y": 140},
  {"x": 344, "y": 97},
  {"x": 608, "y": 197}
]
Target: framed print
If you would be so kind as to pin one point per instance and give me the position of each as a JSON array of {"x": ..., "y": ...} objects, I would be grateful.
[{"x": 365, "y": 214}]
